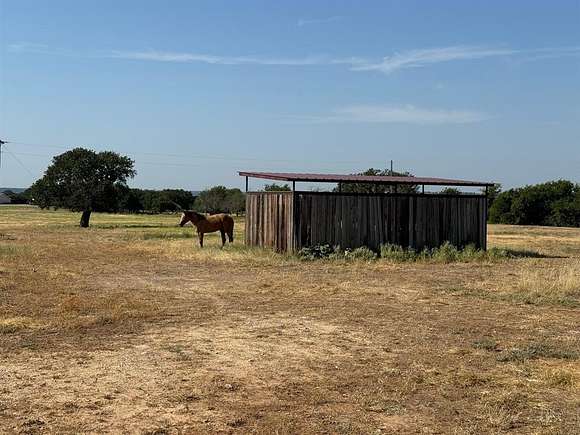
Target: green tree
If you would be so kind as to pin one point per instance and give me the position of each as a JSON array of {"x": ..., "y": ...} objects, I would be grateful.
[
  {"x": 220, "y": 199},
  {"x": 235, "y": 201},
  {"x": 450, "y": 191},
  {"x": 175, "y": 199},
  {"x": 552, "y": 203},
  {"x": 83, "y": 180},
  {"x": 212, "y": 200},
  {"x": 501, "y": 210},
  {"x": 130, "y": 200},
  {"x": 492, "y": 194},
  {"x": 276, "y": 187},
  {"x": 379, "y": 188}
]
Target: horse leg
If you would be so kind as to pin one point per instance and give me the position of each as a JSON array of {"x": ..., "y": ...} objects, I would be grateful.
[
  {"x": 200, "y": 235},
  {"x": 231, "y": 232},
  {"x": 223, "y": 233}
]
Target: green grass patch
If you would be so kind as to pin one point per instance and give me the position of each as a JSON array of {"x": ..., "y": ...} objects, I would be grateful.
[
  {"x": 167, "y": 235},
  {"x": 537, "y": 351},
  {"x": 9, "y": 250}
]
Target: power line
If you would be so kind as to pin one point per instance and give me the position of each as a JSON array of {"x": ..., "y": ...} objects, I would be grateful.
[
  {"x": 208, "y": 157},
  {"x": 21, "y": 164},
  {"x": 138, "y": 161}
]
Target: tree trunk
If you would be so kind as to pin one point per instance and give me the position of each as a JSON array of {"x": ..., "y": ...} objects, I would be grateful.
[{"x": 85, "y": 218}]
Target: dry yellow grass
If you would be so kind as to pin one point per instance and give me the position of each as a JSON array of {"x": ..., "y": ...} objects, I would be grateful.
[
  {"x": 129, "y": 327},
  {"x": 559, "y": 283}
]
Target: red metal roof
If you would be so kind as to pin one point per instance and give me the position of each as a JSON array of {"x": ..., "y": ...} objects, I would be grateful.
[{"x": 376, "y": 179}]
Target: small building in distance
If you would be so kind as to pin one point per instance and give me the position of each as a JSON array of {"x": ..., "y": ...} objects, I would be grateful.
[
  {"x": 289, "y": 221},
  {"x": 4, "y": 199}
]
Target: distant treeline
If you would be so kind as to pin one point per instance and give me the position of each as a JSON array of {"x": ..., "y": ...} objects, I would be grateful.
[
  {"x": 218, "y": 199},
  {"x": 556, "y": 203}
]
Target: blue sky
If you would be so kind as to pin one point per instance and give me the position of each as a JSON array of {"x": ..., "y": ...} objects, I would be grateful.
[{"x": 195, "y": 91}]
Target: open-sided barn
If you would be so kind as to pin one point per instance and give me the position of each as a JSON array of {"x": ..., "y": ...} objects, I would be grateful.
[{"x": 288, "y": 221}]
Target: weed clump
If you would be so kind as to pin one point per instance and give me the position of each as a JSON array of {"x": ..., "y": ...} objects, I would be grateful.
[
  {"x": 397, "y": 253},
  {"x": 336, "y": 253},
  {"x": 362, "y": 253},
  {"x": 317, "y": 252},
  {"x": 486, "y": 343}
]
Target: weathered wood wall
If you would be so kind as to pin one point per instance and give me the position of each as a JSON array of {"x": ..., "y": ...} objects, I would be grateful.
[
  {"x": 269, "y": 220},
  {"x": 287, "y": 221}
]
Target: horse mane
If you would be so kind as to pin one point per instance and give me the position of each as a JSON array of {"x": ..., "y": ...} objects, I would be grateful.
[{"x": 198, "y": 215}]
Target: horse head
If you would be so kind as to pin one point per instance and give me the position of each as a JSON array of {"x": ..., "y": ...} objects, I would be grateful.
[{"x": 190, "y": 216}]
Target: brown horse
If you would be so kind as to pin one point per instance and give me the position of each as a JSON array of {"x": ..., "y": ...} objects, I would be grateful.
[{"x": 209, "y": 224}]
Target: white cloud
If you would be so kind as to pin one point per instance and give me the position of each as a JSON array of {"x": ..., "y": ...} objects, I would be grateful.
[
  {"x": 397, "y": 114},
  {"x": 163, "y": 56},
  {"x": 29, "y": 47},
  {"x": 424, "y": 57},
  {"x": 308, "y": 21}
]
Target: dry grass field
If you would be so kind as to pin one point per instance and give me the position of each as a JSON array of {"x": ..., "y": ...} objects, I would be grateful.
[{"x": 128, "y": 327}]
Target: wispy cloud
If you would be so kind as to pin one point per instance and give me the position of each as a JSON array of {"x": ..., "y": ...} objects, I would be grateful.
[
  {"x": 396, "y": 114},
  {"x": 30, "y": 47},
  {"x": 419, "y": 58},
  {"x": 424, "y": 57},
  {"x": 308, "y": 21},
  {"x": 163, "y": 56}
]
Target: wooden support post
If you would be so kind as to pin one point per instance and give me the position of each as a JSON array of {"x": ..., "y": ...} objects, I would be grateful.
[
  {"x": 423, "y": 189},
  {"x": 246, "y": 184},
  {"x": 485, "y": 220},
  {"x": 339, "y": 187},
  {"x": 295, "y": 220}
]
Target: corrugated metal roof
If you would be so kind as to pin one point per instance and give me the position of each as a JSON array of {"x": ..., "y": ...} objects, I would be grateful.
[{"x": 376, "y": 179}]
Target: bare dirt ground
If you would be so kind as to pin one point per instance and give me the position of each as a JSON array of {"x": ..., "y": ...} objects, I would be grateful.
[{"x": 128, "y": 327}]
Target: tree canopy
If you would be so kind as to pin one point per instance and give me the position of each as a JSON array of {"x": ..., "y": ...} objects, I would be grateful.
[
  {"x": 555, "y": 203},
  {"x": 276, "y": 187},
  {"x": 83, "y": 180},
  {"x": 378, "y": 188},
  {"x": 220, "y": 199}
]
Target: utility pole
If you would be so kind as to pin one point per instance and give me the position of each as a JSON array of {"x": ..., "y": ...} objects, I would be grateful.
[
  {"x": 391, "y": 174},
  {"x": 2, "y": 142}
]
